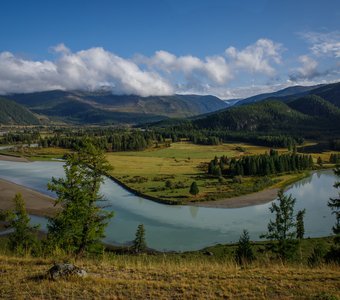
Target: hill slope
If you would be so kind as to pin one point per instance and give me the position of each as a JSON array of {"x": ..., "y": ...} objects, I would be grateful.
[
  {"x": 13, "y": 113},
  {"x": 329, "y": 92},
  {"x": 316, "y": 106}
]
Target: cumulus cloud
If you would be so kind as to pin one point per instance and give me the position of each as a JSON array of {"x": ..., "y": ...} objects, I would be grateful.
[
  {"x": 87, "y": 69},
  {"x": 323, "y": 43},
  {"x": 257, "y": 57},
  {"x": 162, "y": 73},
  {"x": 307, "y": 70},
  {"x": 61, "y": 48},
  {"x": 20, "y": 75},
  {"x": 212, "y": 69}
]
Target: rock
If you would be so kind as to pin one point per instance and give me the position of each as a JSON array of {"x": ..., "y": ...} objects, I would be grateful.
[
  {"x": 208, "y": 253},
  {"x": 63, "y": 270}
]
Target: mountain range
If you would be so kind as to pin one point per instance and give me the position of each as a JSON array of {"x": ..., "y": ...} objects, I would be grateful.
[
  {"x": 294, "y": 107},
  {"x": 311, "y": 113},
  {"x": 102, "y": 107}
]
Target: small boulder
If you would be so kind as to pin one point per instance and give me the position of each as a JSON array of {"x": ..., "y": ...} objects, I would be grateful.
[{"x": 63, "y": 270}]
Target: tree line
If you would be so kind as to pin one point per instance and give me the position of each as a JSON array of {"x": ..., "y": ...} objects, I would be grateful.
[
  {"x": 122, "y": 139},
  {"x": 216, "y": 137},
  {"x": 260, "y": 165}
]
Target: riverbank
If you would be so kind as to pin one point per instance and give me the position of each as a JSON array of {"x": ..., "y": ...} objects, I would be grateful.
[
  {"x": 13, "y": 158},
  {"x": 256, "y": 198},
  {"x": 36, "y": 203}
]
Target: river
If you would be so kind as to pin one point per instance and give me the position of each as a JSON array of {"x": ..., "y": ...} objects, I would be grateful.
[{"x": 182, "y": 228}]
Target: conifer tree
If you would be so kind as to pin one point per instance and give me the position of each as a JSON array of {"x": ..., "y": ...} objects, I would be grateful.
[
  {"x": 334, "y": 204},
  {"x": 244, "y": 252},
  {"x": 194, "y": 189},
  {"x": 23, "y": 240},
  {"x": 300, "y": 227},
  {"x": 139, "y": 244},
  {"x": 281, "y": 229},
  {"x": 80, "y": 225}
]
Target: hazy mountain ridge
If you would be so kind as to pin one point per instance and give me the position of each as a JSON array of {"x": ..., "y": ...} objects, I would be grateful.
[
  {"x": 284, "y": 94},
  {"x": 330, "y": 92}
]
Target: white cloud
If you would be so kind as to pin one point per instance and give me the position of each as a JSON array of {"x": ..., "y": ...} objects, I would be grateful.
[
  {"x": 61, "y": 48},
  {"x": 213, "y": 69},
  {"x": 87, "y": 69},
  {"x": 257, "y": 57},
  {"x": 307, "y": 70},
  {"x": 162, "y": 73},
  {"x": 324, "y": 43},
  {"x": 20, "y": 75}
]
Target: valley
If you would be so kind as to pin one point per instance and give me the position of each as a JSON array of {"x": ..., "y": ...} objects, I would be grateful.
[{"x": 238, "y": 158}]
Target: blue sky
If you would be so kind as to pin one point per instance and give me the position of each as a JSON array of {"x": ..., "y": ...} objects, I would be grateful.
[{"x": 227, "y": 48}]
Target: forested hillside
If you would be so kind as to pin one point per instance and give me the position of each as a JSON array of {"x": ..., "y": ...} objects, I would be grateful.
[
  {"x": 313, "y": 105},
  {"x": 13, "y": 113},
  {"x": 263, "y": 116}
]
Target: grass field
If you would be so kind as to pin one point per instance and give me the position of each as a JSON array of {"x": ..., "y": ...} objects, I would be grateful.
[
  {"x": 167, "y": 277},
  {"x": 181, "y": 164}
]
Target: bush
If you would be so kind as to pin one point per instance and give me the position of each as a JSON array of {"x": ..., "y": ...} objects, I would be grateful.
[
  {"x": 317, "y": 256},
  {"x": 237, "y": 179},
  {"x": 333, "y": 255}
]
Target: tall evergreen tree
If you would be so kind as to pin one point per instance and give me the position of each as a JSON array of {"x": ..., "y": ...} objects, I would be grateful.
[
  {"x": 244, "y": 253},
  {"x": 23, "y": 240},
  {"x": 334, "y": 204},
  {"x": 80, "y": 225},
  {"x": 300, "y": 226},
  {"x": 139, "y": 244},
  {"x": 282, "y": 230}
]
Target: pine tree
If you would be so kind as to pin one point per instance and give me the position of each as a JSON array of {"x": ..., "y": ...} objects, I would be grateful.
[
  {"x": 244, "y": 252},
  {"x": 194, "y": 189},
  {"x": 281, "y": 230},
  {"x": 300, "y": 227},
  {"x": 23, "y": 240},
  {"x": 80, "y": 225},
  {"x": 139, "y": 244},
  {"x": 334, "y": 204}
]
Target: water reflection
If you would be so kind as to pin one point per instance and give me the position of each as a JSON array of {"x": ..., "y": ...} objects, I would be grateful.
[{"x": 186, "y": 227}]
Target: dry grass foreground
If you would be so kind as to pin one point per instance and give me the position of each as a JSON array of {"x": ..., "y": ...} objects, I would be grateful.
[{"x": 145, "y": 277}]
